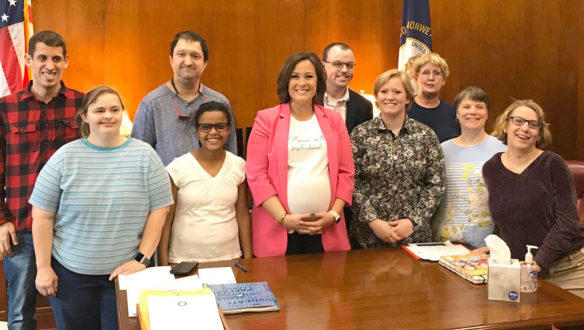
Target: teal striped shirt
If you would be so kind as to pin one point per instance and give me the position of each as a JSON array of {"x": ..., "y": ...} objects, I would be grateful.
[{"x": 102, "y": 198}]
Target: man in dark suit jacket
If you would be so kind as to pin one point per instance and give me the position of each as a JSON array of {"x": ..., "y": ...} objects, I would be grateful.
[
  {"x": 339, "y": 61},
  {"x": 359, "y": 110}
]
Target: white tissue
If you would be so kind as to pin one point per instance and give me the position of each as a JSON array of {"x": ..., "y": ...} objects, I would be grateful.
[{"x": 499, "y": 251}]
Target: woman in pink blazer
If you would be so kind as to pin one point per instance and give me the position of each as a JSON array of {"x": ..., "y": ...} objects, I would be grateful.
[{"x": 299, "y": 167}]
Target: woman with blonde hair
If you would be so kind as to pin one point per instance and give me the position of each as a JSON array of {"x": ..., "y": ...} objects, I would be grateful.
[
  {"x": 399, "y": 170},
  {"x": 532, "y": 198},
  {"x": 430, "y": 72}
]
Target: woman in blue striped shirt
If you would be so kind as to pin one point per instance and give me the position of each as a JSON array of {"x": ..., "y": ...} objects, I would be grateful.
[{"x": 99, "y": 205}]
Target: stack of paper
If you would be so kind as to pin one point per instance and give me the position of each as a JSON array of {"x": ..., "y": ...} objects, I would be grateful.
[
  {"x": 177, "y": 310},
  {"x": 434, "y": 251},
  {"x": 154, "y": 278}
]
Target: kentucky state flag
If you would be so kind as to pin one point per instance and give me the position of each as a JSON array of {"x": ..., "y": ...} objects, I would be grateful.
[{"x": 415, "y": 34}]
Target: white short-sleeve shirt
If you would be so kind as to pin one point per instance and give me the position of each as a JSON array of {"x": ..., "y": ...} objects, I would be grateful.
[{"x": 205, "y": 227}]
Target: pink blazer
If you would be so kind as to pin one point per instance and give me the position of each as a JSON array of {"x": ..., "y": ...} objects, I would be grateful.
[{"x": 267, "y": 175}]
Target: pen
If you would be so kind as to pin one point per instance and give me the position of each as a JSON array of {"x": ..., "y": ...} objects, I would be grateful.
[
  {"x": 431, "y": 244},
  {"x": 240, "y": 266}
]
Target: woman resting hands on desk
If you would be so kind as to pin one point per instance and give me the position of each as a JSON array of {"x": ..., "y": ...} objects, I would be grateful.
[
  {"x": 210, "y": 216},
  {"x": 463, "y": 215},
  {"x": 299, "y": 167},
  {"x": 532, "y": 198},
  {"x": 399, "y": 170},
  {"x": 99, "y": 205}
]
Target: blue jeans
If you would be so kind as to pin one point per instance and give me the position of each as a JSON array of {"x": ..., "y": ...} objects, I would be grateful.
[
  {"x": 85, "y": 302},
  {"x": 20, "y": 271}
]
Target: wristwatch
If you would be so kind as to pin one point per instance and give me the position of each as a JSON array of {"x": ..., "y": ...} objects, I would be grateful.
[
  {"x": 142, "y": 259},
  {"x": 336, "y": 215}
]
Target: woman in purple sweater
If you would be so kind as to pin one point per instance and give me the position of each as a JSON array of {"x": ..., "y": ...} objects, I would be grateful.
[{"x": 532, "y": 198}]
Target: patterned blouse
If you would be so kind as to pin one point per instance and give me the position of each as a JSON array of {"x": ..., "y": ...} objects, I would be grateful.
[{"x": 395, "y": 178}]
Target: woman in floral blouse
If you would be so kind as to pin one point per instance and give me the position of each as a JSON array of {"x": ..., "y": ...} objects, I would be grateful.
[{"x": 399, "y": 170}]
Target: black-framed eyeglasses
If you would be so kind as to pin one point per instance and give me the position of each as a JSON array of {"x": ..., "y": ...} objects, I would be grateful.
[
  {"x": 519, "y": 121},
  {"x": 339, "y": 65},
  {"x": 219, "y": 127}
]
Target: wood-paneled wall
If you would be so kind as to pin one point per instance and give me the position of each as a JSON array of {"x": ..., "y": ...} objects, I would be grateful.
[{"x": 511, "y": 49}]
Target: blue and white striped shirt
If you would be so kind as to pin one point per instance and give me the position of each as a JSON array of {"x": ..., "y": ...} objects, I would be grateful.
[{"x": 102, "y": 198}]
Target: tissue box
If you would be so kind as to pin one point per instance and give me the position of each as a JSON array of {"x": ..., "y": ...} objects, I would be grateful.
[{"x": 504, "y": 281}]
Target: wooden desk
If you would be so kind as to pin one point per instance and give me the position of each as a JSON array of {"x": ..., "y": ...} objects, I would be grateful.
[{"x": 385, "y": 288}]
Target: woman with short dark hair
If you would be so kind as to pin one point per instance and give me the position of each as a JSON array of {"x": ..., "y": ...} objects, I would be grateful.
[
  {"x": 463, "y": 215},
  {"x": 299, "y": 167},
  {"x": 210, "y": 218}
]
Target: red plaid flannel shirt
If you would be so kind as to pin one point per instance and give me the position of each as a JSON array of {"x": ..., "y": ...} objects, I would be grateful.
[{"x": 30, "y": 133}]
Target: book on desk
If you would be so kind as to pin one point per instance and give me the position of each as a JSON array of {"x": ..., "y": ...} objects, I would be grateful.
[
  {"x": 473, "y": 268},
  {"x": 160, "y": 309},
  {"x": 245, "y": 297}
]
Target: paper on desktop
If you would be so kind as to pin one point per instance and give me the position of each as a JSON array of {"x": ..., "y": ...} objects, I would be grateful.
[
  {"x": 146, "y": 276},
  {"x": 183, "y": 312},
  {"x": 427, "y": 251},
  {"x": 154, "y": 278},
  {"x": 217, "y": 275}
]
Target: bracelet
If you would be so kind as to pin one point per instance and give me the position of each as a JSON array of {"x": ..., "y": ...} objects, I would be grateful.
[
  {"x": 335, "y": 215},
  {"x": 280, "y": 219}
]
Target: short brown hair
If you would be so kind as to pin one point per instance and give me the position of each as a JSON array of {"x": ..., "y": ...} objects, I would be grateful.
[
  {"x": 89, "y": 99},
  {"x": 383, "y": 78},
  {"x": 342, "y": 46},
  {"x": 545, "y": 134},
  {"x": 49, "y": 38},
  {"x": 286, "y": 72},
  {"x": 473, "y": 93},
  {"x": 192, "y": 36}
]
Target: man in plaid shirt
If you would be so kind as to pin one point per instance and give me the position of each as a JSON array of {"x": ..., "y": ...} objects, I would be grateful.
[{"x": 34, "y": 123}]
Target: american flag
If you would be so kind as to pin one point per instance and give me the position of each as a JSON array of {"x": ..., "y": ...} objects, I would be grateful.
[{"x": 15, "y": 30}]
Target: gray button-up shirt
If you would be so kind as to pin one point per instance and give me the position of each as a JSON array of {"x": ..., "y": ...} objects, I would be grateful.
[{"x": 158, "y": 124}]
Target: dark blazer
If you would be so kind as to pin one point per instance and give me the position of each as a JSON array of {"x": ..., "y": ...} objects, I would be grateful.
[{"x": 358, "y": 110}]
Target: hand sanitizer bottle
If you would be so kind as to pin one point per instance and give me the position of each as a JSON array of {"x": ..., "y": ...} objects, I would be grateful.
[{"x": 528, "y": 275}]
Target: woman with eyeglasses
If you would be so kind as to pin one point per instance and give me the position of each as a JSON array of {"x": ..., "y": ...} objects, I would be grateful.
[
  {"x": 210, "y": 219},
  {"x": 299, "y": 167},
  {"x": 532, "y": 198},
  {"x": 463, "y": 215},
  {"x": 430, "y": 72}
]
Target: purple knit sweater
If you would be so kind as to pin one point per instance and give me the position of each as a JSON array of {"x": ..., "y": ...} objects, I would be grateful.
[{"x": 536, "y": 207}]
